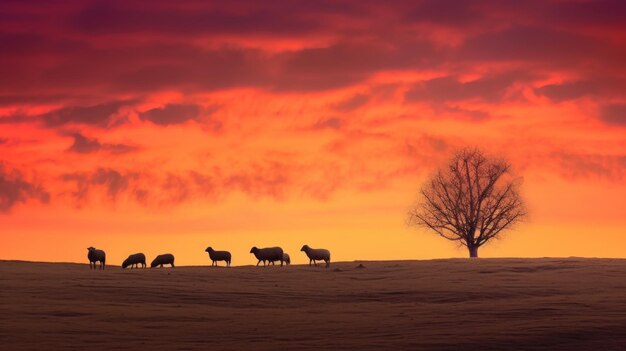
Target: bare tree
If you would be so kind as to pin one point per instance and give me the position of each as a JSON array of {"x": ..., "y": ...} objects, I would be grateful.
[{"x": 470, "y": 201}]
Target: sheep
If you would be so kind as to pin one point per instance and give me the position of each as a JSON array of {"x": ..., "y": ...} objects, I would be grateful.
[
  {"x": 317, "y": 255},
  {"x": 94, "y": 255},
  {"x": 269, "y": 254},
  {"x": 286, "y": 259},
  {"x": 218, "y": 256},
  {"x": 134, "y": 261},
  {"x": 160, "y": 260}
]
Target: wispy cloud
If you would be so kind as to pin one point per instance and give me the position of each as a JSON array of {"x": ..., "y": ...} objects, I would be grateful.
[
  {"x": 85, "y": 145},
  {"x": 15, "y": 189}
]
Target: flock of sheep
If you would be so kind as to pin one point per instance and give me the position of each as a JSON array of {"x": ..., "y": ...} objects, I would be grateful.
[{"x": 268, "y": 254}]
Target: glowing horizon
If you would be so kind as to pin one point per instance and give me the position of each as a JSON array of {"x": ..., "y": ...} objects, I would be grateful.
[{"x": 159, "y": 127}]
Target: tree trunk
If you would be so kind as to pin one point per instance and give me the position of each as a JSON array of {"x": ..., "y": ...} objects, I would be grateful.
[{"x": 473, "y": 251}]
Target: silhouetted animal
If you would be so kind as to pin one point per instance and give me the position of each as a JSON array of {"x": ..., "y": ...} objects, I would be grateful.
[
  {"x": 135, "y": 260},
  {"x": 268, "y": 254},
  {"x": 286, "y": 259},
  {"x": 316, "y": 255},
  {"x": 94, "y": 255},
  {"x": 160, "y": 260},
  {"x": 218, "y": 256}
]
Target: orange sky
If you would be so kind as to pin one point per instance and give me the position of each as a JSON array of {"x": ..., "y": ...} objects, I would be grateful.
[{"x": 161, "y": 127}]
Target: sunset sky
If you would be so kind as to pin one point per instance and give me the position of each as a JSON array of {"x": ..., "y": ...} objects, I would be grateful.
[{"x": 159, "y": 126}]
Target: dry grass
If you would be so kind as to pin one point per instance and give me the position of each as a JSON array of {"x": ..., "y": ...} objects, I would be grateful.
[{"x": 485, "y": 304}]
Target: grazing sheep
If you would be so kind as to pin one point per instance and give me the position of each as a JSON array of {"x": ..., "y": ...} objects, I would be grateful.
[
  {"x": 135, "y": 260},
  {"x": 218, "y": 256},
  {"x": 160, "y": 260},
  {"x": 317, "y": 255},
  {"x": 94, "y": 255},
  {"x": 269, "y": 254}
]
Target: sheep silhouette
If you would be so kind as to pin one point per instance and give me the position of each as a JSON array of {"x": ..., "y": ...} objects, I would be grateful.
[
  {"x": 218, "y": 256},
  {"x": 316, "y": 255},
  {"x": 135, "y": 260},
  {"x": 269, "y": 254},
  {"x": 94, "y": 255},
  {"x": 160, "y": 260}
]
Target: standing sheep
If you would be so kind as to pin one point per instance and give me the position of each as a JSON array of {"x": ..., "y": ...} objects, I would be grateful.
[
  {"x": 218, "y": 256},
  {"x": 160, "y": 260},
  {"x": 135, "y": 260},
  {"x": 286, "y": 259},
  {"x": 317, "y": 255},
  {"x": 269, "y": 254},
  {"x": 94, "y": 255}
]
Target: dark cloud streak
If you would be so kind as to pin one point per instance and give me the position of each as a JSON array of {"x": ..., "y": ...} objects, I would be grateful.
[
  {"x": 85, "y": 145},
  {"x": 171, "y": 114},
  {"x": 15, "y": 189},
  {"x": 491, "y": 88},
  {"x": 96, "y": 115},
  {"x": 115, "y": 17},
  {"x": 614, "y": 114},
  {"x": 352, "y": 103},
  {"x": 112, "y": 181}
]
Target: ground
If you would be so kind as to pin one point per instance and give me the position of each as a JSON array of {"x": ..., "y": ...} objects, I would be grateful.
[{"x": 468, "y": 304}]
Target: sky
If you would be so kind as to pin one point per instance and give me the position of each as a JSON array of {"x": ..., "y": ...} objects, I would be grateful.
[{"x": 159, "y": 126}]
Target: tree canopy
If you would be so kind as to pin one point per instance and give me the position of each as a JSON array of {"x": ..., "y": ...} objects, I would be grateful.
[{"x": 471, "y": 201}]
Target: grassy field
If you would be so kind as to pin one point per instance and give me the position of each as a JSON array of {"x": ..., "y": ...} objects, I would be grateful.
[{"x": 456, "y": 304}]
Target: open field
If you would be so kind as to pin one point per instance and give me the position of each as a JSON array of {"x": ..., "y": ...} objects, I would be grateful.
[{"x": 484, "y": 304}]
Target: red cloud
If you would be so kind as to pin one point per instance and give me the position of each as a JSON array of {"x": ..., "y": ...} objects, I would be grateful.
[
  {"x": 85, "y": 145},
  {"x": 283, "y": 75},
  {"x": 15, "y": 189}
]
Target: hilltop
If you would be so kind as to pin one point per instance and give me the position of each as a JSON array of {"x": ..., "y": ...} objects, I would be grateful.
[{"x": 488, "y": 304}]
